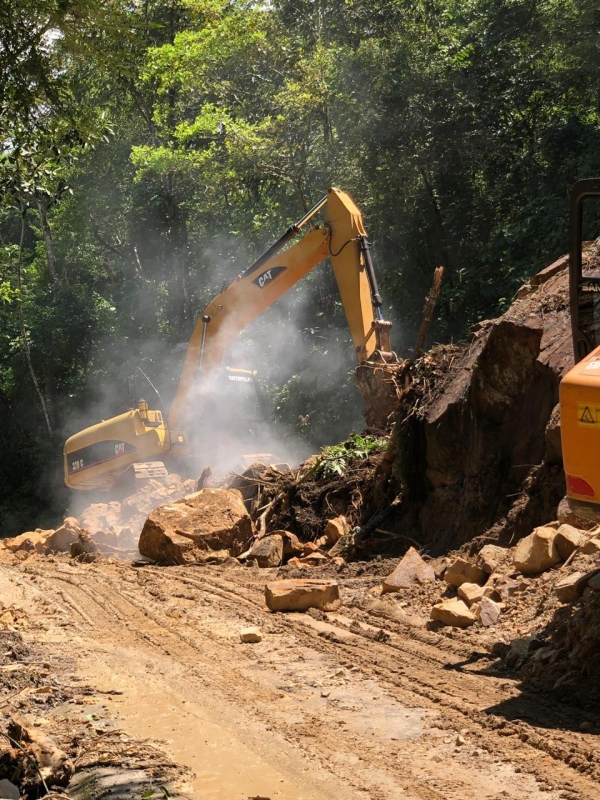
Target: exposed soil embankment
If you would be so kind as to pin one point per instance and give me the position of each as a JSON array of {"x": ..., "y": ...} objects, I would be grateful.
[{"x": 471, "y": 448}]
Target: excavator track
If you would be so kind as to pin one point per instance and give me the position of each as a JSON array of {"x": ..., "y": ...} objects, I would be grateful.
[{"x": 138, "y": 475}]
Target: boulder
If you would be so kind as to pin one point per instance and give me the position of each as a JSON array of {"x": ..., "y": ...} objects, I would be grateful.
[
  {"x": 410, "y": 571},
  {"x": 248, "y": 483},
  {"x": 83, "y": 546},
  {"x": 8, "y": 790},
  {"x": 453, "y": 612},
  {"x": 471, "y": 593},
  {"x": 166, "y": 547},
  {"x": 210, "y": 519},
  {"x": 536, "y": 552},
  {"x": 567, "y": 540},
  {"x": 336, "y": 528},
  {"x": 493, "y": 594},
  {"x": 251, "y": 635},
  {"x": 491, "y": 557},
  {"x": 149, "y": 496},
  {"x": 300, "y": 594},
  {"x": 488, "y": 612},
  {"x": 462, "y": 571},
  {"x": 591, "y": 546},
  {"x": 519, "y": 649},
  {"x": 218, "y": 557},
  {"x": 480, "y": 428},
  {"x": 315, "y": 559},
  {"x": 296, "y": 563},
  {"x": 341, "y": 546},
  {"x": 62, "y": 538},
  {"x": 267, "y": 552},
  {"x": 505, "y": 587},
  {"x": 565, "y": 514},
  {"x": 110, "y": 537},
  {"x": 310, "y": 547},
  {"x": 594, "y": 581},
  {"x": 30, "y": 541},
  {"x": 571, "y": 586},
  {"x": 46, "y": 541},
  {"x": 292, "y": 546}
]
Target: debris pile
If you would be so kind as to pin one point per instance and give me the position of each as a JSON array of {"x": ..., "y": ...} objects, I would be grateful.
[
  {"x": 535, "y": 605},
  {"x": 302, "y": 501},
  {"x": 52, "y": 746},
  {"x": 111, "y": 529},
  {"x": 476, "y": 431}
]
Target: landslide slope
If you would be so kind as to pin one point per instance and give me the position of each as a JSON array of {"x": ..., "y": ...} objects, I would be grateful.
[{"x": 476, "y": 443}]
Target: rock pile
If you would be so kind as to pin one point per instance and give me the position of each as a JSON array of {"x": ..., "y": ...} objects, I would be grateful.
[
  {"x": 479, "y": 589},
  {"x": 283, "y": 547},
  {"x": 111, "y": 528}
]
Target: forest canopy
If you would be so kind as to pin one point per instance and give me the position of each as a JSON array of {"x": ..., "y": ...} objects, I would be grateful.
[{"x": 150, "y": 150}]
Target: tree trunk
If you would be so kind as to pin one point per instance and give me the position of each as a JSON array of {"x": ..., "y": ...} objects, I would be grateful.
[
  {"x": 448, "y": 261},
  {"x": 24, "y": 337},
  {"x": 428, "y": 310},
  {"x": 49, "y": 245}
]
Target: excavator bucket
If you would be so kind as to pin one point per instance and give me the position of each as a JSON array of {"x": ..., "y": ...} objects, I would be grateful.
[{"x": 381, "y": 380}]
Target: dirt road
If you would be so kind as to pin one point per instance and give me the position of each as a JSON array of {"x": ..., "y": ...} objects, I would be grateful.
[{"x": 349, "y": 705}]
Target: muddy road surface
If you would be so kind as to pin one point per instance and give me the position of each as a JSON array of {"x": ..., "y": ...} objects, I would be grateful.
[{"x": 346, "y": 705}]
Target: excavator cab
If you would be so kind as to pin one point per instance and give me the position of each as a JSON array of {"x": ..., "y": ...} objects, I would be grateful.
[{"x": 580, "y": 388}]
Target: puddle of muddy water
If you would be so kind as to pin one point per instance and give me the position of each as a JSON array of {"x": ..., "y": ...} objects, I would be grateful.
[{"x": 225, "y": 767}]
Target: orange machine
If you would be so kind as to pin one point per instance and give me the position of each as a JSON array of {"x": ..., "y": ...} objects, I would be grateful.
[{"x": 580, "y": 388}]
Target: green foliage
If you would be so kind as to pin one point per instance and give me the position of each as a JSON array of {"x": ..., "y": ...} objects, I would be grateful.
[{"x": 335, "y": 459}]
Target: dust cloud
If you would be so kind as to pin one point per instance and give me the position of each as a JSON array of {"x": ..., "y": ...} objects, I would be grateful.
[{"x": 297, "y": 392}]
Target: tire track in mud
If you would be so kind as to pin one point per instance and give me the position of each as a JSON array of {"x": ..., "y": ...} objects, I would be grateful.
[
  {"x": 87, "y": 592},
  {"x": 455, "y": 698},
  {"x": 562, "y": 752},
  {"x": 415, "y": 673}
]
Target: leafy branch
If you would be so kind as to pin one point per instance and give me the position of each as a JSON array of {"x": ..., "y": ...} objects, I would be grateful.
[{"x": 335, "y": 459}]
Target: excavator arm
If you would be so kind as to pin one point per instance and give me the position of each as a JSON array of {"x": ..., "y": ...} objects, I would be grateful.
[
  {"x": 99, "y": 455},
  {"x": 343, "y": 240}
]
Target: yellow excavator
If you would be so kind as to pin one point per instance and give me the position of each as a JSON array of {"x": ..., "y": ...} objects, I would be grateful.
[{"x": 142, "y": 438}]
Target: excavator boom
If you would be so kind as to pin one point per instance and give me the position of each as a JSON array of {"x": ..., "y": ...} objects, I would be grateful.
[{"x": 343, "y": 239}]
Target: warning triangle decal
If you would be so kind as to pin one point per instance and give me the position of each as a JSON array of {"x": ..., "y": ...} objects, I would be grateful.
[{"x": 587, "y": 416}]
